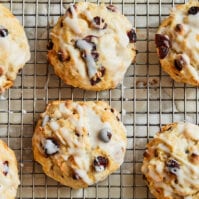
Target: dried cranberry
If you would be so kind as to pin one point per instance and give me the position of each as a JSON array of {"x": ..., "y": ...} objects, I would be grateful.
[
  {"x": 5, "y": 167},
  {"x": 132, "y": 36},
  {"x": 63, "y": 56},
  {"x": 112, "y": 8},
  {"x": 50, "y": 45},
  {"x": 89, "y": 38},
  {"x": 97, "y": 78},
  {"x": 162, "y": 40},
  {"x": 179, "y": 28},
  {"x": 173, "y": 166},
  {"x": 99, "y": 23},
  {"x": 50, "y": 146},
  {"x": 3, "y": 32},
  {"x": 75, "y": 176},
  {"x": 163, "y": 45},
  {"x": 95, "y": 55},
  {"x": 100, "y": 163},
  {"x": 193, "y": 10},
  {"x": 163, "y": 52},
  {"x": 179, "y": 63},
  {"x": 1, "y": 71}
]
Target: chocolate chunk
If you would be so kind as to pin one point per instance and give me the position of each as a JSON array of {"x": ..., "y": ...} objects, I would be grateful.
[
  {"x": 100, "y": 163},
  {"x": 179, "y": 28},
  {"x": 5, "y": 167},
  {"x": 105, "y": 135},
  {"x": 97, "y": 78},
  {"x": 163, "y": 44},
  {"x": 112, "y": 8},
  {"x": 193, "y": 10},
  {"x": 179, "y": 63},
  {"x": 173, "y": 166},
  {"x": 132, "y": 36},
  {"x": 50, "y": 146},
  {"x": 3, "y": 32},
  {"x": 50, "y": 45},
  {"x": 63, "y": 56},
  {"x": 99, "y": 23}
]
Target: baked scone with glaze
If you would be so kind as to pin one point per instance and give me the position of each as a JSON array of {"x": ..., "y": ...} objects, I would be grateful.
[
  {"x": 177, "y": 42},
  {"x": 79, "y": 143},
  {"x": 9, "y": 179},
  {"x": 171, "y": 162},
  {"x": 92, "y": 46},
  {"x": 14, "y": 48}
]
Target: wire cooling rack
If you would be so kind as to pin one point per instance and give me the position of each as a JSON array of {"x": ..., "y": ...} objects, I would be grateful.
[{"x": 147, "y": 99}]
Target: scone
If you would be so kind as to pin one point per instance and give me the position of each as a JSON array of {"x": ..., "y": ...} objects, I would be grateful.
[
  {"x": 79, "y": 143},
  {"x": 9, "y": 179},
  {"x": 177, "y": 42},
  {"x": 14, "y": 48},
  {"x": 171, "y": 162},
  {"x": 92, "y": 46}
]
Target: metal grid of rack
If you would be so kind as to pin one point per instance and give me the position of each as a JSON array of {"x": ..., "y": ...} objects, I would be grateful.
[{"x": 146, "y": 99}]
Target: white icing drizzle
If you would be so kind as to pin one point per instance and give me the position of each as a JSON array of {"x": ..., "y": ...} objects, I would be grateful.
[
  {"x": 5, "y": 168},
  {"x": 90, "y": 62},
  {"x": 63, "y": 109},
  {"x": 99, "y": 168},
  {"x": 54, "y": 125},
  {"x": 123, "y": 38},
  {"x": 188, "y": 69},
  {"x": 45, "y": 120},
  {"x": 50, "y": 147},
  {"x": 82, "y": 174},
  {"x": 72, "y": 22}
]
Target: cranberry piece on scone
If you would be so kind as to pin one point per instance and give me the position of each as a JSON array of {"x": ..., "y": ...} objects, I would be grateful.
[
  {"x": 100, "y": 163},
  {"x": 173, "y": 166},
  {"x": 132, "y": 36},
  {"x": 99, "y": 23},
  {"x": 163, "y": 45},
  {"x": 193, "y": 10},
  {"x": 3, "y": 32},
  {"x": 5, "y": 167},
  {"x": 112, "y": 8}
]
